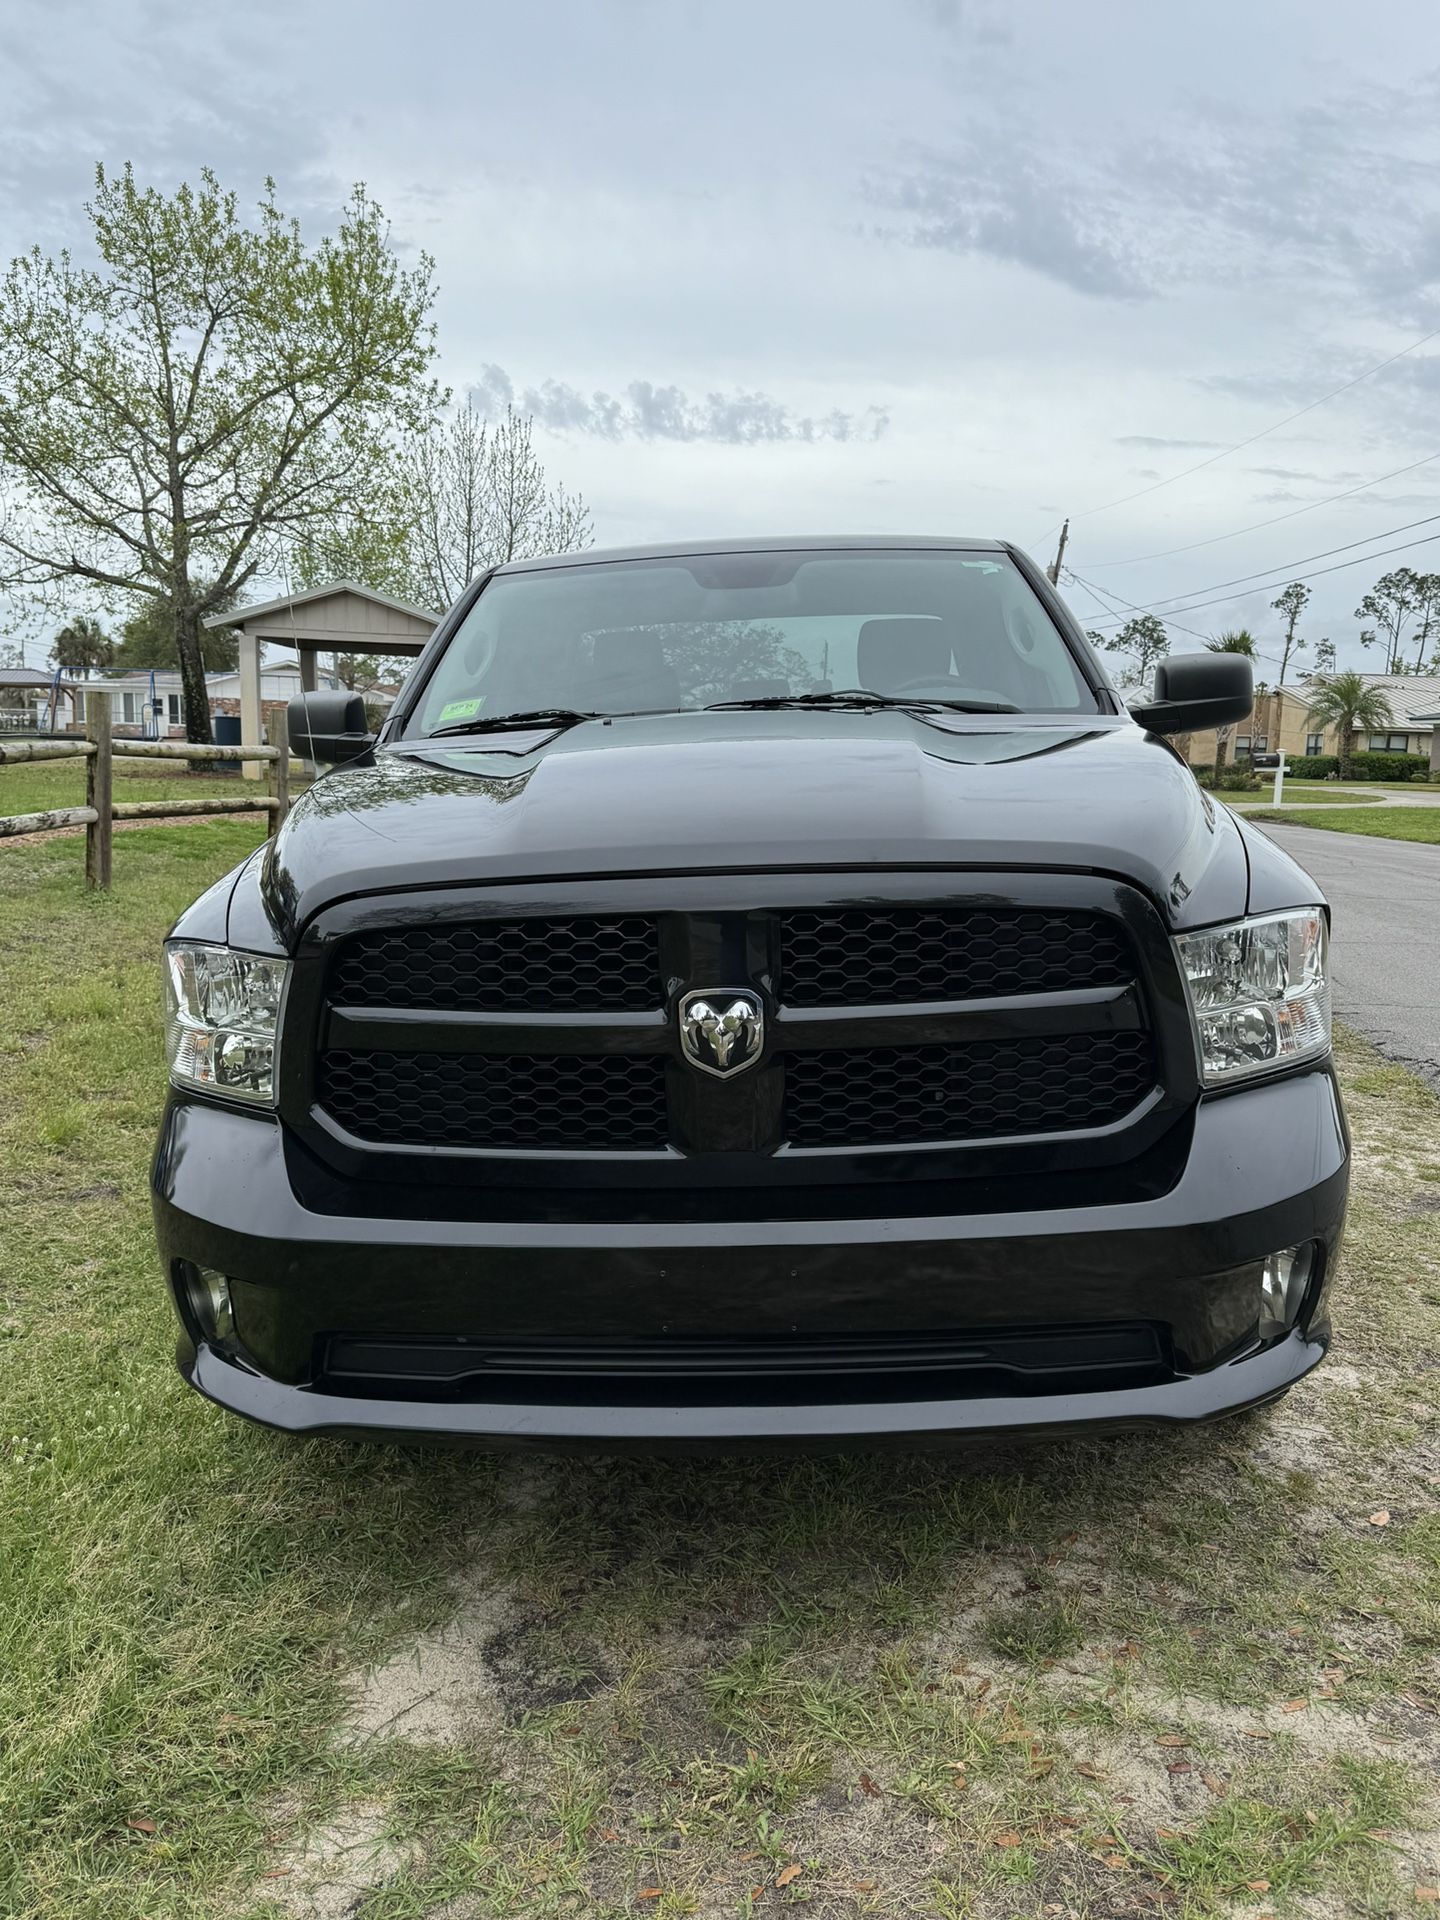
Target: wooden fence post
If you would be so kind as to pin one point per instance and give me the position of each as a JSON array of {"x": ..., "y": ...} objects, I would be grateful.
[
  {"x": 98, "y": 791},
  {"x": 280, "y": 781}
]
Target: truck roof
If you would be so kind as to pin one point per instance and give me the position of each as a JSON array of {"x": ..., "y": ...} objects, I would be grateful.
[{"x": 774, "y": 543}]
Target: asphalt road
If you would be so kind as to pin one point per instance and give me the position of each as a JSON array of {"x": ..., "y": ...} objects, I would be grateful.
[{"x": 1385, "y": 944}]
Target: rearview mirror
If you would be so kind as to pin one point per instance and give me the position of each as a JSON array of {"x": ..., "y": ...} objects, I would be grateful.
[
  {"x": 328, "y": 727},
  {"x": 1197, "y": 690}
]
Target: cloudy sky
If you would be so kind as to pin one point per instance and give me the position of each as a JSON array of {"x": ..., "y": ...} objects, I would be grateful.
[{"x": 910, "y": 265}]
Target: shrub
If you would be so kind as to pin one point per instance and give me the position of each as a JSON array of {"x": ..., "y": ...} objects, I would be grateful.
[
  {"x": 1313, "y": 766},
  {"x": 1228, "y": 780},
  {"x": 1364, "y": 765},
  {"x": 1389, "y": 766}
]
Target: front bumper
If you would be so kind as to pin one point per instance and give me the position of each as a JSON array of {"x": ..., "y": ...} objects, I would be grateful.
[
  {"x": 1184, "y": 1401},
  {"x": 1267, "y": 1168}
]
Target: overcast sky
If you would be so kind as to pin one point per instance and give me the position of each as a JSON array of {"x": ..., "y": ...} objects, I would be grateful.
[{"x": 928, "y": 266}]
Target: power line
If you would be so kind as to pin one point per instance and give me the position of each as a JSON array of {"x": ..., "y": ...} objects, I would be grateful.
[
  {"x": 1100, "y": 596},
  {"x": 1405, "y": 546},
  {"x": 1275, "y": 427},
  {"x": 1273, "y": 659},
  {"x": 1291, "y": 566},
  {"x": 1167, "y": 552}
]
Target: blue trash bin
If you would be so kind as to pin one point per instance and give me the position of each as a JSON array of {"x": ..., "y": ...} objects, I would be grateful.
[{"x": 227, "y": 734}]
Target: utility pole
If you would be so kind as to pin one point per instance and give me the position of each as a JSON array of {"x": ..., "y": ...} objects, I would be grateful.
[{"x": 1052, "y": 572}]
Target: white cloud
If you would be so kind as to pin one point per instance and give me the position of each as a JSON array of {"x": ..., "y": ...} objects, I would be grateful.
[{"x": 948, "y": 265}]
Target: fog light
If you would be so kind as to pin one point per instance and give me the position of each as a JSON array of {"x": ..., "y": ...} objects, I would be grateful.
[
  {"x": 1284, "y": 1278},
  {"x": 208, "y": 1296}
]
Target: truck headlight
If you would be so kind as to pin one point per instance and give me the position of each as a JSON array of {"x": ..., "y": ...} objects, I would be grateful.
[
  {"x": 222, "y": 1015},
  {"x": 1259, "y": 993}
]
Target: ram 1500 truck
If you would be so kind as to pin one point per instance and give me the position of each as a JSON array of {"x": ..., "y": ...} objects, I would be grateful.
[{"x": 765, "y": 991}]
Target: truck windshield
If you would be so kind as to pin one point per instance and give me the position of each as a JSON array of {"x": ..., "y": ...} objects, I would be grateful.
[{"x": 671, "y": 634}]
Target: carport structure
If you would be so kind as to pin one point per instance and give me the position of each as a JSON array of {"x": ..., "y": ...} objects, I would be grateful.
[{"x": 340, "y": 617}]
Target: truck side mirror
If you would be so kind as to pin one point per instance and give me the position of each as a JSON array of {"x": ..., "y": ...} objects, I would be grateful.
[
  {"x": 1198, "y": 690},
  {"x": 328, "y": 727}
]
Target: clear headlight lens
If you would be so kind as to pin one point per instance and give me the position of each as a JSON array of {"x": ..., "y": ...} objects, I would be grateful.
[
  {"x": 1259, "y": 992},
  {"x": 222, "y": 1013}
]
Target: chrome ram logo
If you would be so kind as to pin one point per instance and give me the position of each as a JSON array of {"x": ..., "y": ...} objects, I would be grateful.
[{"x": 722, "y": 1031}]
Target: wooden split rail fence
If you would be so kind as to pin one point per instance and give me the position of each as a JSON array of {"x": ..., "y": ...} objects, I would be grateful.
[{"x": 101, "y": 809}]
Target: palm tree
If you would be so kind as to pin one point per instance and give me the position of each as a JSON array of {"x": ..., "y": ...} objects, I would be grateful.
[
  {"x": 1234, "y": 640},
  {"x": 82, "y": 646},
  {"x": 1344, "y": 701}
]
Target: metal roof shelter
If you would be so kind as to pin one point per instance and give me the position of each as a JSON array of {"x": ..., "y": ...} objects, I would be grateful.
[{"x": 340, "y": 617}]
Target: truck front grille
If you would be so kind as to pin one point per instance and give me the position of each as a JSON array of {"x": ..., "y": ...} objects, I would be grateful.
[
  {"x": 536, "y": 966},
  {"x": 881, "y": 956},
  {"x": 509, "y": 1100},
  {"x": 990, "y": 1090},
  {"x": 889, "y": 1024}
]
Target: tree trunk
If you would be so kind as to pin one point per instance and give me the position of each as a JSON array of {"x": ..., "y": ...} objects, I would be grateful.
[
  {"x": 1222, "y": 743},
  {"x": 192, "y": 677},
  {"x": 1346, "y": 738}
]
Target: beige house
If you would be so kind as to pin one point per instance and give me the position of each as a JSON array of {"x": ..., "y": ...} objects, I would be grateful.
[{"x": 1281, "y": 720}]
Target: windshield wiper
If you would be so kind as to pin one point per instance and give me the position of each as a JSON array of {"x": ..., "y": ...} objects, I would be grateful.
[
  {"x": 497, "y": 722},
  {"x": 860, "y": 698}
]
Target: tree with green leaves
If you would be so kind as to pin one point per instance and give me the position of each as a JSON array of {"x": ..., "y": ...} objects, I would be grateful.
[
  {"x": 81, "y": 646},
  {"x": 1324, "y": 657},
  {"x": 1143, "y": 642},
  {"x": 1233, "y": 640},
  {"x": 148, "y": 639},
  {"x": 1290, "y": 605},
  {"x": 1389, "y": 605},
  {"x": 374, "y": 547},
  {"x": 175, "y": 417},
  {"x": 1345, "y": 701}
]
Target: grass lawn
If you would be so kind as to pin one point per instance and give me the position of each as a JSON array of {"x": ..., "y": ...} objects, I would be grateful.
[
  {"x": 1183, "y": 1674},
  {"x": 1383, "y": 786},
  {"x": 1349, "y": 789},
  {"x": 1312, "y": 793},
  {"x": 1385, "y": 823}
]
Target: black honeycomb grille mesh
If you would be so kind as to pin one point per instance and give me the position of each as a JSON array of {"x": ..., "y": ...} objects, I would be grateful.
[
  {"x": 900, "y": 1095},
  {"x": 519, "y": 1101},
  {"x": 535, "y": 966},
  {"x": 885, "y": 955}
]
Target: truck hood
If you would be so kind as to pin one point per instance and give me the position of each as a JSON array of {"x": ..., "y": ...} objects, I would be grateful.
[{"x": 679, "y": 793}]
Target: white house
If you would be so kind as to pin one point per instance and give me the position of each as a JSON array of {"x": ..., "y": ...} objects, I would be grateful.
[{"x": 152, "y": 701}]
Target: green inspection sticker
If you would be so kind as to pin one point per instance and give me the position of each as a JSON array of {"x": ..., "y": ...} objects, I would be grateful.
[{"x": 459, "y": 710}]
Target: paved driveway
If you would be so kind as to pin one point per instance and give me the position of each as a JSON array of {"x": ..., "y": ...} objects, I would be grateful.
[{"x": 1385, "y": 949}]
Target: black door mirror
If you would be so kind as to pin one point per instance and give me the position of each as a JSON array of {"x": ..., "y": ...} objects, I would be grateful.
[
  {"x": 1197, "y": 690},
  {"x": 329, "y": 727}
]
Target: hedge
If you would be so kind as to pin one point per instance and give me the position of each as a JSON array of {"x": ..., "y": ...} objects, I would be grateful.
[
  {"x": 1314, "y": 766},
  {"x": 1389, "y": 766},
  {"x": 1319, "y": 766},
  {"x": 1363, "y": 766}
]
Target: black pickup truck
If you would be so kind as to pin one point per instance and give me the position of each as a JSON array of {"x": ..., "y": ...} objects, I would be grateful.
[{"x": 768, "y": 991}]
